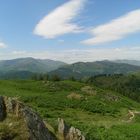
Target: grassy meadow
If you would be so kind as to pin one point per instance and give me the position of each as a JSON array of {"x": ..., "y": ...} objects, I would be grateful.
[{"x": 99, "y": 114}]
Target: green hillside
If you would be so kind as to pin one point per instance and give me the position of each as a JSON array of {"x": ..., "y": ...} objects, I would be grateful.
[
  {"x": 81, "y": 69},
  {"x": 127, "y": 85},
  {"x": 99, "y": 114}
]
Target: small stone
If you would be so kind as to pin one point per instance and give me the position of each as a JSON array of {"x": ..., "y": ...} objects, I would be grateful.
[{"x": 75, "y": 134}]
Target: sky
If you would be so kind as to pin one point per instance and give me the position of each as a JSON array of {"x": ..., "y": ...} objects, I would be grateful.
[{"x": 70, "y": 30}]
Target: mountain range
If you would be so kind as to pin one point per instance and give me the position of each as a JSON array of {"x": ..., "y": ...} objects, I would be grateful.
[
  {"x": 131, "y": 62},
  {"x": 86, "y": 69},
  {"x": 30, "y": 64},
  {"x": 25, "y": 67}
]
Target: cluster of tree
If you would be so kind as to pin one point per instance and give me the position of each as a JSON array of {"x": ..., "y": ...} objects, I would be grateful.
[
  {"x": 127, "y": 85},
  {"x": 45, "y": 77}
]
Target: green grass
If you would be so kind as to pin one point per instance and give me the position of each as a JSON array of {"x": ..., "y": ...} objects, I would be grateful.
[
  {"x": 98, "y": 116},
  {"x": 13, "y": 128}
]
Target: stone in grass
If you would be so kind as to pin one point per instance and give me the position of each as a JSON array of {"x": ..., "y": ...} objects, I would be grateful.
[
  {"x": 74, "y": 95},
  {"x": 68, "y": 133},
  {"x": 88, "y": 90},
  {"x": 75, "y": 134}
]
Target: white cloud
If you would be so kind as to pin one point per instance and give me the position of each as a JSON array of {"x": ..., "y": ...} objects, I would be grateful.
[
  {"x": 60, "y": 21},
  {"x": 2, "y": 45},
  {"x": 115, "y": 29},
  {"x": 86, "y": 55}
]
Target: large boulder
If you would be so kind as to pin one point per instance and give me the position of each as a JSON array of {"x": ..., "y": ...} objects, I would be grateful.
[{"x": 35, "y": 125}]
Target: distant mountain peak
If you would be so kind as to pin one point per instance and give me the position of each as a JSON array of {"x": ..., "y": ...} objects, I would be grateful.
[{"x": 30, "y": 64}]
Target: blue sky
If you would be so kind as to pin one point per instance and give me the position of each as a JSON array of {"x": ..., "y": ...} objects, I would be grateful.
[{"x": 70, "y": 30}]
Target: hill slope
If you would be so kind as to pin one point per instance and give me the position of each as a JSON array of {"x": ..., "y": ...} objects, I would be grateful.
[
  {"x": 99, "y": 114},
  {"x": 128, "y": 85},
  {"x": 82, "y": 69}
]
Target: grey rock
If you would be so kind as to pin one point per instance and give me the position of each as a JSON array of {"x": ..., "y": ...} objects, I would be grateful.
[
  {"x": 69, "y": 133},
  {"x": 34, "y": 123},
  {"x": 75, "y": 134},
  {"x": 63, "y": 128},
  {"x": 2, "y": 109},
  {"x": 36, "y": 126}
]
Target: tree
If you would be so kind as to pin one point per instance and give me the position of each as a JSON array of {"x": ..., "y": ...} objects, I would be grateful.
[
  {"x": 72, "y": 78},
  {"x": 55, "y": 78}
]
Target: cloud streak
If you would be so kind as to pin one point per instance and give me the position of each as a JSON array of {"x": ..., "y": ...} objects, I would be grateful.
[
  {"x": 60, "y": 21},
  {"x": 115, "y": 29}
]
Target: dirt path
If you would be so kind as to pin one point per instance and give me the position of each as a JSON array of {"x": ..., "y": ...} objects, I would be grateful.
[{"x": 132, "y": 114}]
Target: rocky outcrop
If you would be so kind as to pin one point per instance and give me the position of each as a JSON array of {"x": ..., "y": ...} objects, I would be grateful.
[
  {"x": 67, "y": 132},
  {"x": 63, "y": 128},
  {"x": 89, "y": 90},
  {"x": 36, "y": 128},
  {"x": 112, "y": 98},
  {"x": 75, "y": 134}
]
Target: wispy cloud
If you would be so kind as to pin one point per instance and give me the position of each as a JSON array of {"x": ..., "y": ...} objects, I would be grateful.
[
  {"x": 2, "y": 45},
  {"x": 115, "y": 29},
  {"x": 60, "y": 21}
]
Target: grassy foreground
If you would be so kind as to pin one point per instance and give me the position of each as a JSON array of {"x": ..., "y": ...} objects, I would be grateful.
[{"x": 99, "y": 114}]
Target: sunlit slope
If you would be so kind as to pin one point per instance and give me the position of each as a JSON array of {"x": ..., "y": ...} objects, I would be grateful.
[{"x": 99, "y": 114}]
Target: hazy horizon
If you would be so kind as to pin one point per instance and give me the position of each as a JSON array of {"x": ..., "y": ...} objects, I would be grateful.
[{"x": 70, "y": 62}]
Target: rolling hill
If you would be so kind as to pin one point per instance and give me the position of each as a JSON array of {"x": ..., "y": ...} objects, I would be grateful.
[
  {"x": 98, "y": 113},
  {"x": 127, "y": 85},
  {"x": 25, "y": 67},
  {"x": 86, "y": 69}
]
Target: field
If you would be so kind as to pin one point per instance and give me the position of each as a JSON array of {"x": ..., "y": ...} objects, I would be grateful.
[{"x": 99, "y": 114}]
